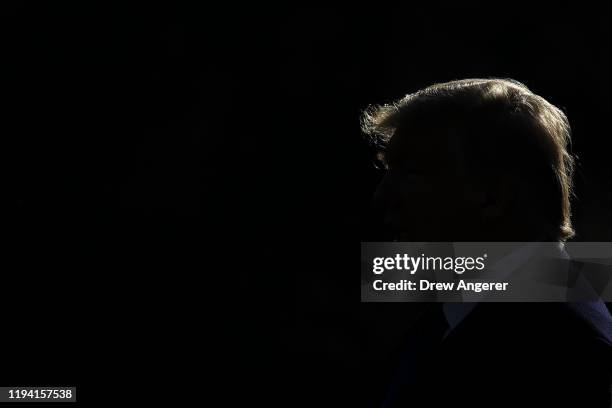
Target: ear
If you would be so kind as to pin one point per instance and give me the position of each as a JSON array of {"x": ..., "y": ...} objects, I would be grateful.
[
  {"x": 499, "y": 197},
  {"x": 492, "y": 208}
]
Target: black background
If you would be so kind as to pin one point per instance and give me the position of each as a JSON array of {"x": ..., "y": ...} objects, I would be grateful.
[{"x": 170, "y": 168}]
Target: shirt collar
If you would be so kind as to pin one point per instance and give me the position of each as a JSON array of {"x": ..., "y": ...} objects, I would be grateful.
[{"x": 456, "y": 312}]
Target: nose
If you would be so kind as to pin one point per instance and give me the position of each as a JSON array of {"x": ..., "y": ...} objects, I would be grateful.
[
  {"x": 388, "y": 193},
  {"x": 388, "y": 202},
  {"x": 382, "y": 194}
]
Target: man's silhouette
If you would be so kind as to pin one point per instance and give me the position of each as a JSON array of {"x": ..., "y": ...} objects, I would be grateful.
[{"x": 486, "y": 160}]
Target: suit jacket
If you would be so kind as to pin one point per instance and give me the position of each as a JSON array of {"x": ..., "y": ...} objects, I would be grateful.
[{"x": 511, "y": 354}]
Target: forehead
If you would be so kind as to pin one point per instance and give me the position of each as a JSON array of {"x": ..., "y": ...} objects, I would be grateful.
[{"x": 425, "y": 148}]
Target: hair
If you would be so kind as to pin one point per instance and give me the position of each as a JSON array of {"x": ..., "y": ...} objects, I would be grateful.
[{"x": 500, "y": 124}]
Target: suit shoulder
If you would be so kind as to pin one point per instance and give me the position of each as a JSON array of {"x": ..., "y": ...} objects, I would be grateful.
[
  {"x": 594, "y": 317},
  {"x": 571, "y": 321}
]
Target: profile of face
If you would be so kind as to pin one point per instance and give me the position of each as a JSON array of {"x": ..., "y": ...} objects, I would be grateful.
[{"x": 427, "y": 195}]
